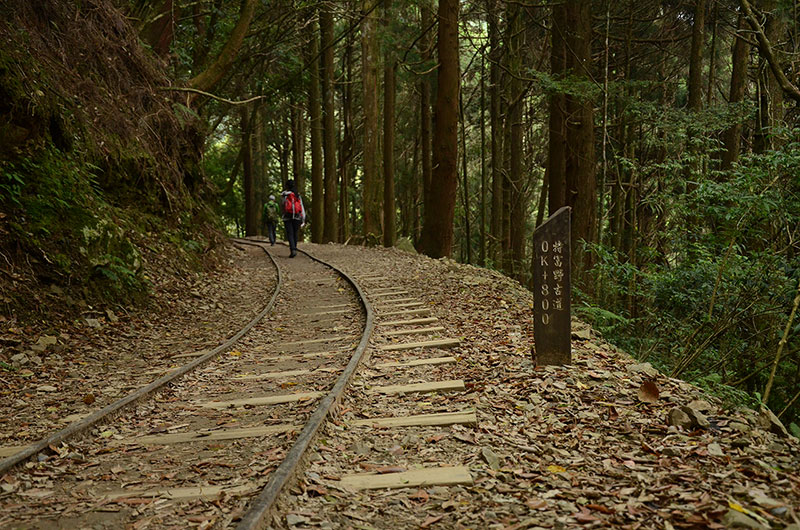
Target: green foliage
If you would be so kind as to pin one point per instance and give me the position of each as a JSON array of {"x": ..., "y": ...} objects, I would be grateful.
[
  {"x": 11, "y": 186},
  {"x": 606, "y": 322},
  {"x": 58, "y": 210},
  {"x": 117, "y": 274},
  {"x": 794, "y": 429},
  {"x": 218, "y": 163},
  {"x": 708, "y": 296},
  {"x": 731, "y": 397}
]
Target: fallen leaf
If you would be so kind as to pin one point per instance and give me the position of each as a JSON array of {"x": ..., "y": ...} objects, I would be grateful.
[
  {"x": 585, "y": 516},
  {"x": 317, "y": 489},
  {"x": 430, "y": 520},
  {"x": 556, "y": 469},
  {"x": 536, "y": 504},
  {"x": 420, "y": 496},
  {"x": 648, "y": 392}
]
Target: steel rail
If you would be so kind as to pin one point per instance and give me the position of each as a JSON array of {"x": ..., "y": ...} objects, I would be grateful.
[
  {"x": 256, "y": 515},
  {"x": 81, "y": 425}
]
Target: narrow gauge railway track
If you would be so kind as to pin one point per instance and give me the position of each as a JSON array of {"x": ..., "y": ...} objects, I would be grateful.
[{"x": 223, "y": 434}]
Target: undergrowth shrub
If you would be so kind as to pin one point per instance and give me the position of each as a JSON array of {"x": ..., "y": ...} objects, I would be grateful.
[{"x": 712, "y": 303}]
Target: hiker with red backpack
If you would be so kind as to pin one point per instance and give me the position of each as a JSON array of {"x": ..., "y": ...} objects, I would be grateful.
[{"x": 294, "y": 215}]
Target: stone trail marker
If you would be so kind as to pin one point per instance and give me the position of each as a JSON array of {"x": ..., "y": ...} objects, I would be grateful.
[{"x": 551, "y": 290}]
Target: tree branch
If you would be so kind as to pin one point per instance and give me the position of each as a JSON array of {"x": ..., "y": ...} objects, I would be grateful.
[
  {"x": 212, "y": 96},
  {"x": 766, "y": 49},
  {"x": 206, "y": 79}
]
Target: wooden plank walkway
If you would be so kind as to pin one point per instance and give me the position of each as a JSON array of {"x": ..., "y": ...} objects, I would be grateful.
[
  {"x": 435, "y": 476},
  {"x": 439, "y": 343},
  {"x": 420, "y": 420},
  {"x": 436, "y": 386}
]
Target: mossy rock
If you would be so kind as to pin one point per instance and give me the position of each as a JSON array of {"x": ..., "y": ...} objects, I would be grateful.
[{"x": 405, "y": 245}]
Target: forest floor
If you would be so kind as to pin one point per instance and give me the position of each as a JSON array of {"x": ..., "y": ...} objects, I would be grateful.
[
  {"x": 589, "y": 444},
  {"x": 66, "y": 368},
  {"x": 605, "y": 442}
]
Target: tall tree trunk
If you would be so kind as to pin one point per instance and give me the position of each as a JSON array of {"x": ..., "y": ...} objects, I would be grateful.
[
  {"x": 467, "y": 231},
  {"x": 369, "y": 67},
  {"x": 206, "y": 79},
  {"x": 495, "y": 118},
  {"x": 298, "y": 144},
  {"x": 621, "y": 190},
  {"x": 259, "y": 170},
  {"x": 506, "y": 261},
  {"x": 317, "y": 203},
  {"x": 284, "y": 150},
  {"x": 250, "y": 214},
  {"x": 482, "y": 250},
  {"x": 557, "y": 146},
  {"x": 695, "y": 89},
  {"x": 712, "y": 59},
  {"x": 733, "y": 135},
  {"x": 437, "y": 234},
  {"x": 417, "y": 194},
  {"x": 425, "y": 112},
  {"x": 389, "y": 65},
  {"x": 695, "y": 85},
  {"x": 347, "y": 145},
  {"x": 331, "y": 229},
  {"x": 580, "y": 163},
  {"x": 517, "y": 207}
]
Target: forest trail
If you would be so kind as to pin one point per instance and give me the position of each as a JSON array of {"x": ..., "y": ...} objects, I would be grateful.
[
  {"x": 584, "y": 445},
  {"x": 554, "y": 447}
]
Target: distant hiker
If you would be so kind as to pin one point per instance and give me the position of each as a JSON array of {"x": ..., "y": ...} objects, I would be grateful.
[
  {"x": 270, "y": 218},
  {"x": 294, "y": 215}
]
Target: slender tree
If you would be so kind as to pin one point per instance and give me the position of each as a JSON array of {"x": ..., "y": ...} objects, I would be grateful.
[
  {"x": 389, "y": 67},
  {"x": 556, "y": 151},
  {"x": 209, "y": 77},
  {"x": 580, "y": 160},
  {"x": 732, "y": 136},
  {"x": 437, "y": 233},
  {"x": 517, "y": 205},
  {"x": 331, "y": 229},
  {"x": 425, "y": 107},
  {"x": 695, "y": 84},
  {"x": 369, "y": 75},
  {"x": 347, "y": 143},
  {"x": 495, "y": 117},
  {"x": 250, "y": 207},
  {"x": 298, "y": 128},
  {"x": 317, "y": 203},
  {"x": 482, "y": 125}
]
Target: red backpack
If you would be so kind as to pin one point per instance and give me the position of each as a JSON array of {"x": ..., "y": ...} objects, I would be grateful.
[{"x": 291, "y": 204}]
